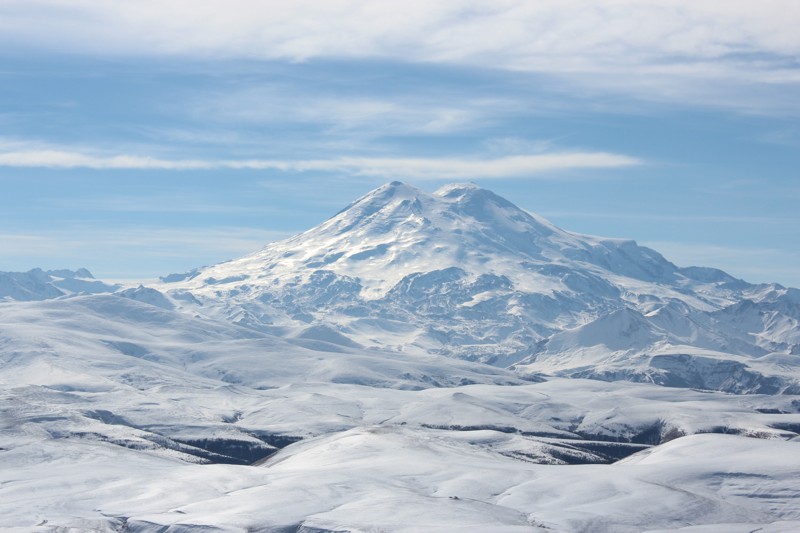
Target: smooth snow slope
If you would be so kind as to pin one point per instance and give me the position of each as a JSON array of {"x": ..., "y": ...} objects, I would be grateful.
[{"x": 403, "y": 479}]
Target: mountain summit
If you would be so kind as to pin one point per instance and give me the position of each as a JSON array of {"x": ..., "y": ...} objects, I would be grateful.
[
  {"x": 396, "y": 230},
  {"x": 466, "y": 273}
]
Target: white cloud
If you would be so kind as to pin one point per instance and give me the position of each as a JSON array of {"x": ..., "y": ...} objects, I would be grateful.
[
  {"x": 667, "y": 49},
  {"x": 519, "y": 33},
  {"x": 353, "y": 115},
  {"x": 66, "y": 159},
  {"x": 516, "y": 166}
]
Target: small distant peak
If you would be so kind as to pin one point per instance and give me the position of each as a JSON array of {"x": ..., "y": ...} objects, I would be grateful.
[
  {"x": 83, "y": 273},
  {"x": 65, "y": 273},
  {"x": 185, "y": 276}
]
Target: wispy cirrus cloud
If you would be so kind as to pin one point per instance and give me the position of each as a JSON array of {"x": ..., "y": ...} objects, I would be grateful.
[
  {"x": 718, "y": 52},
  {"x": 514, "y": 166},
  {"x": 355, "y": 114},
  {"x": 549, "y": 34}
]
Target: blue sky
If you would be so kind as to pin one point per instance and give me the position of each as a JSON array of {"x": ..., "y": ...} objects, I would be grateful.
[{"x": 142, "y": 139}]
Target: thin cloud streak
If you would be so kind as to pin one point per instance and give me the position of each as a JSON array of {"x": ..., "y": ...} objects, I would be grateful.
[
  {"x": 362, "y": 114},
  {"x": 516, "y": 166}
]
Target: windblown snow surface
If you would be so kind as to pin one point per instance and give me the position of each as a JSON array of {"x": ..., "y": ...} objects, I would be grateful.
[{"x": 419, "y": 362}]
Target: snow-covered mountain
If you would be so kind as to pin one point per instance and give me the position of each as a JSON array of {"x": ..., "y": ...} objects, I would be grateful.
[
  {"x": 336, "y": 381},
  {"x": 465, "y": 273}
]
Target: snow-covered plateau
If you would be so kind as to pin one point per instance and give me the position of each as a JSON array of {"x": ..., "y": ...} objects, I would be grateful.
[{"x": 418, "y": 362}]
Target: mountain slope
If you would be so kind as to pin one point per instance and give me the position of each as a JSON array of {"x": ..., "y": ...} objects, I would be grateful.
[{"x": 465, "y": 273}]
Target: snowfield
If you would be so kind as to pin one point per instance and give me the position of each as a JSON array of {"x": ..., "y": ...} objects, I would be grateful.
[{"x": 419, "y": 362}]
